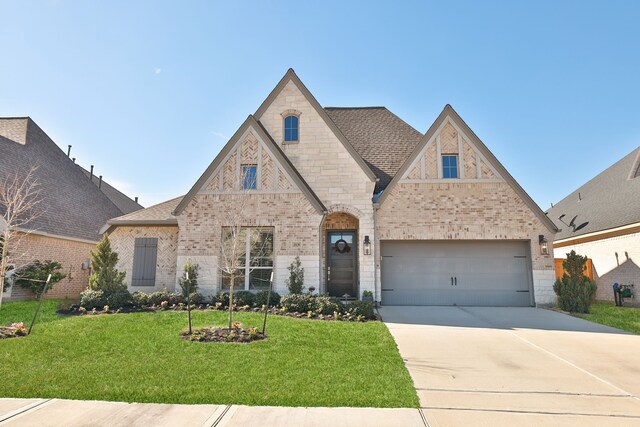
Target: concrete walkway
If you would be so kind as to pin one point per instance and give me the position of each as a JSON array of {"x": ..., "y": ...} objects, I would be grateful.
[
  {"x": 76, "y": 413},
  {"x": 486, "y": 366}
]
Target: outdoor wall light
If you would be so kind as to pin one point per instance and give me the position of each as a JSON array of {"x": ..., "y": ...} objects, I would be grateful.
[
  {"x": 366, "y": 247},
  {"x": 544, "y": 245}
]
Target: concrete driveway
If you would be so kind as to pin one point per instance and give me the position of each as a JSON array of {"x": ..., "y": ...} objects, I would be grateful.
[{"x": 493, "y": 366}]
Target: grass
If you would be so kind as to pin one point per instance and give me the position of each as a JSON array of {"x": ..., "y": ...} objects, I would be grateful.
[
  {"x": 606, "y": 313},
  {"x": 140, "y": 357}
]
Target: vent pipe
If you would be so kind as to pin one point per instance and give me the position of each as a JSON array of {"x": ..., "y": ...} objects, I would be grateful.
[
  {"x": 91, "y": 174},
  {"x": 74, "y": 160},
  {"x": 136, "y": 199},
  {"x": 100, "y": 182},
  {"x": 69, "y": 151}
]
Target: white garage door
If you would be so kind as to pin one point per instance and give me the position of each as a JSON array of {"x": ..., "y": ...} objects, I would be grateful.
[{"x": 475, "y": 273}]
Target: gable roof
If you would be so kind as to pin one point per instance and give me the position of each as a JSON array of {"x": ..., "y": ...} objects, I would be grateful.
[
  {"x": 448, "y": 111},
  {"x": 159, "y": 214},
  {"x": 73, "y": 206},
  {"x": 291, "y": 76},
  {"x": 277, "y": 152},
  {"x": 382, "y": 139},
  {"x": 611, "y": 199},
  {"x": 121, "y": 200}
]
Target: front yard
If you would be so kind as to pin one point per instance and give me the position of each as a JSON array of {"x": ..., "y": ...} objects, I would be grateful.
[
  {"x": 140, "y": 357},
  {"x": 606, "y": 313}
]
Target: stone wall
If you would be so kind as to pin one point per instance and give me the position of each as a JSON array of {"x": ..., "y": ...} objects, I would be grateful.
[
  {"x": 70, "y": 253},
  {"x": 123, "y": 242}
]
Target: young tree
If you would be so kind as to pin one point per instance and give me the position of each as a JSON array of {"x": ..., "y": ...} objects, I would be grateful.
[
  {"x": 20, "y": 205},
  {"x": 189, "y": 284},
  {"x": 574, "y": 290},
  {"x": 295, "y": 282},
  {"x": 104, "y": 276}
]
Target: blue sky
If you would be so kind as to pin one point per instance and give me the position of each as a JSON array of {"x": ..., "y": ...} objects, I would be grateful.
[{"x": 149, "y": 91}]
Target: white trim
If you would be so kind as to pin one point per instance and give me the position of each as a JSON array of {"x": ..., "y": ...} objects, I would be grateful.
[
  {"x": 213, "y": 193},
  {"x": 259, "y": 168},
  {"x": 438, "y": 155},
  {"x": 460, "y": 158},
  {"x": 597, "y": 233},
  {"x": 450, "y": 181}
]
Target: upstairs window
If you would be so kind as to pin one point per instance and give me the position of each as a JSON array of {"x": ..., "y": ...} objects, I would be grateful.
[
  {"x": 449, "y": 166},
  {"x": 291, "y": 128},
  {"x": 249, "y": 177}
]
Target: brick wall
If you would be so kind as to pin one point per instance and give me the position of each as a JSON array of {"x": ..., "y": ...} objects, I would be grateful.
[{"x": 70, "y": 253}]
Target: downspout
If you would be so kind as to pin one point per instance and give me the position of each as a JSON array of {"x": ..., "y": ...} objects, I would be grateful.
[
  {"x": 320, "y": 281},
  {"x": 375, "y": 254}
]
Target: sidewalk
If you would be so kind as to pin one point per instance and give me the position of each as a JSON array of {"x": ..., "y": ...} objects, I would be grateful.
[{"x": 73, "y": 413}]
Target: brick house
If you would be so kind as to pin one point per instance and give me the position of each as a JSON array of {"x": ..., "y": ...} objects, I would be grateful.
[
  {"x": 601, "y": 220},
  {"x": 368, "y": 204},
  {"x": 75, "y": 204}
]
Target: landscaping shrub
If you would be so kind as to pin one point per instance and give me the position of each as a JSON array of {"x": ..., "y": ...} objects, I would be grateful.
[
  {"x": 261, "y": 298},
  {"x": 301, "y": 303},
  {"x": 295, "y": 282},
  {"x": 158, "y": 297},
  {"x": 105, "y": 277},
  {"x": 196, "y": 298},
  {"x": 574, "y": 290},
  {"x": 34, "y": 275},
  {"x": 326, "y": 305},
  {"x": 90, "y": 298},
  {"x": 119, "y": 299},
  {"x": 222, "y": 298},
  {"x": 190, "y": 285},
  {"x": 140, "y": 299},
  {"x": 242, "y": 298},
  {"x": 361, "y": 308}
]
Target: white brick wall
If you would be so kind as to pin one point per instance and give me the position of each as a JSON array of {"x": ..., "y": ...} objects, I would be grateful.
[{"x": 543, "y": 287}]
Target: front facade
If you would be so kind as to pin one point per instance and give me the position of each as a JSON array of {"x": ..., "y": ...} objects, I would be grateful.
[
  {"x": 601, "y": 220},
  {"x": 367, "y": 202}
]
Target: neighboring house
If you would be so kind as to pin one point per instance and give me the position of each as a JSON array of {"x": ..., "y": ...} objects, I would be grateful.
[
  {"x": 365, "y": 200},
  {"x": 606, "y": 227},
  {"x": 73, "y": 206}
]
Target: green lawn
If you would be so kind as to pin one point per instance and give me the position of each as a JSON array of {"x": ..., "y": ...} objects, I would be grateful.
[
  {"x": 141, "y": 358},
  {"x": 626, "y": 318}
]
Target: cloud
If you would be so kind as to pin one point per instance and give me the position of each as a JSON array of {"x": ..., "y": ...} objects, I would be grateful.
[
  {"x": 219, "y": 135},
  {"x": 157, "y": 70}
]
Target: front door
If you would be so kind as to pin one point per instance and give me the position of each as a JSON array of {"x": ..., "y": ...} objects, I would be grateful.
[{"x": 342, "y": 263}]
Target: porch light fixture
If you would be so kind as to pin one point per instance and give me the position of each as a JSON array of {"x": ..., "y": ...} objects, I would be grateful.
[
  {"x": 544, "y": 245},
  {"x": 366, "y": 247}
]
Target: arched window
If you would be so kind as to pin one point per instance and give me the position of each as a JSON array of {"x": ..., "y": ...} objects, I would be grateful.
[{"x": 291, "y": 129}]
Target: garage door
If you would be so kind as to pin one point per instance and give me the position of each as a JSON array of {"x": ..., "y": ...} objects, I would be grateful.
[{"x": 480, "y": 273}]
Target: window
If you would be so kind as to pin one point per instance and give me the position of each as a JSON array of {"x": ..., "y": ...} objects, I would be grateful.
[
  {"x": 256, "y": 246},
  {"x": 249, "y": 177},
  {"x": 291, "y": 129},
  {"x": 449, "y": 166},
  {"x": 144, "y": 261}
]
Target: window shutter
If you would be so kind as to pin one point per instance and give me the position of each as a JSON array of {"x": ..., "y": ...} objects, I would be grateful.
[{"x": 145, "y": 256}]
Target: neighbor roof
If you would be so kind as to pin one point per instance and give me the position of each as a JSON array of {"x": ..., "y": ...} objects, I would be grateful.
[
  {"x": 72, "y": 205},
  {"x": 611, "y": 199},
  {"x": 121, "y": 200},
  {"x": 382, "y": 139}
]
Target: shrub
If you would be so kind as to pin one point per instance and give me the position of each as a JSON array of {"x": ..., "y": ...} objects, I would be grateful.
[
  {"x": 361, "y": 308},
  {"x": 140, "y": 299},
  {"x": 297, "y": 302},
  {"x": 158, "y": 297},
  {"x": 34, "y": 275},
  {"x": 196, "y": 298},
  {"x": 242, "y": 298},
  {"x": 295, "y": 282},
  {"x": 261, "y": 298},
  {"x": 326, "y": 305},
  {"x": 190, "y": 285},
  {"x": 105, "y": 277},
  {"x": 90, "y": 298},
  {"x": 574, "y": 290},
  {"x": 222, "y": 298},
  {"x": 116, "y": 300}
]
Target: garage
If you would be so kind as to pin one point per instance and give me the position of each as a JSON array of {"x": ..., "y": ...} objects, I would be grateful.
[{"x": 466, "y": 273}]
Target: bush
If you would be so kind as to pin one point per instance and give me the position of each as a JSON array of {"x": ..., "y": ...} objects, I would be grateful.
[
  {"x": 327, "y": 305},
  {"x": 222, "y": 298},
  {"x": 190, "y": 285},
  {"x": 297, "y": 302},
  {"x": 295, "y": 282},
  {"x": 119, "y": 299},
  {"x": 242, "y": 298},
  {"x": 261, "y": 298},
  {"x": 105, "y": 277},
  {"x": 90, "y": 298},
  {"x": 34, "y": 275},
  {"x": 361, "y": 308},
  {"x": 574, "y": 290},
  {"x": 171, "y": 298},
  {"x": 196, "y": 298},
  {"x": 140, "y": 299}
]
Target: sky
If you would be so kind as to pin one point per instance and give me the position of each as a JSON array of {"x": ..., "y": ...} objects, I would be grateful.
[{"x": 150, "y": 91}]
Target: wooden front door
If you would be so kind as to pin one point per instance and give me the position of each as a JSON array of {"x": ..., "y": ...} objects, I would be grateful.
[{"x": 342, "y": 263}]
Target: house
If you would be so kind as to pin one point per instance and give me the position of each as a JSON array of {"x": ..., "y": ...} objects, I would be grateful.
[
  {"x": 601, "y": 220},
  {"x": 367, "y": 202},
  {"x": 74, "y": 204}
]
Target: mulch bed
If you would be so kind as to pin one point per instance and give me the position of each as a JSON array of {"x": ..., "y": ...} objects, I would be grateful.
[
  {"x": 12, "y": 331},
  {"x": 215, "y": 334}
]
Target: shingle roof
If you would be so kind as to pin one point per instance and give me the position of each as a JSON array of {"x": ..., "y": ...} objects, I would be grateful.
[
  {"x": 121, "y": 200},
  {"x": 160, "y": 212},
  {"x": 73, "y": 205},
  {"x": 611, "y": 199},
  {"x": 382, "y": 139}
]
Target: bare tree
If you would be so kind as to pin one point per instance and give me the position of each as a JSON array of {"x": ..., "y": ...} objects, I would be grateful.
[{"x": 20, "y": 204}]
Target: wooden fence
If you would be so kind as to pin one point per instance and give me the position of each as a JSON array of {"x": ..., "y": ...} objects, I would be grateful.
[{"x": 560, "y": 270}]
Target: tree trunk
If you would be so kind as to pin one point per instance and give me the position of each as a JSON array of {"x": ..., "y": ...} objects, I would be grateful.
[
  {"x": 233, "y": 279},
  {"x": 3, "y": 267}
]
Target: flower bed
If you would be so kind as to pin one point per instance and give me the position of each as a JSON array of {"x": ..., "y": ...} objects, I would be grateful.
[
  {"x": 13, "y": 331},
  {"x": 237, "y": 334}
]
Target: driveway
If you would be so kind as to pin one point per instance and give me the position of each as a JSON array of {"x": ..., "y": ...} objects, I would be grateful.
[{"x": 493, "y": 366}]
